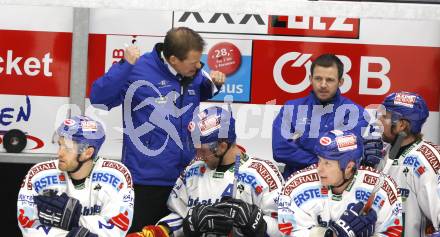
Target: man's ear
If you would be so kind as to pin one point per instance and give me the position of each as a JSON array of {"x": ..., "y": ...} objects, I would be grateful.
[
  {"x": 403, "y": 125},
  {"x": 173, "y": 60},
  {"x": 88, "y": 153},
  {"x": 341, "y": 81},
  {"x": 222, "y": 146},
  {"x": 349, "y": 170}
]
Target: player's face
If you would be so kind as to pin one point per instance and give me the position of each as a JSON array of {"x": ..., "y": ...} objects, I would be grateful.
[
  {"x": 206, "y": 154},
  {"x": 189, "y": 66},
  {"x": 329, "y": 172},
  {"x": 388, "y": 135},
  {"x": 325, "y": 82},
  {"x": 67, "y": 154}
]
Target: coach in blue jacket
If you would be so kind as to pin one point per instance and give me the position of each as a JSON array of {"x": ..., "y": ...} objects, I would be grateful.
[
  {"x": 159, "y": 92},
  {"x": 300, "y": 122}
]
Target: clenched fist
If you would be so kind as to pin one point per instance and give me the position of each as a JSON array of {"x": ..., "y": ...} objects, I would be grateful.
[
  {"x": 218, "y": 78},
  {"x": 132, "y": 54}
]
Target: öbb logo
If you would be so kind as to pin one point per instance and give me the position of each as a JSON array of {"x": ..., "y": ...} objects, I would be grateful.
[{"x": 301, "y": 62}]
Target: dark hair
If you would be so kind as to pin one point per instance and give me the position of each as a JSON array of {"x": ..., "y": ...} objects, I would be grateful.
[
  {"x": 328, "y": 60},
  {"x": 179, "y": 41}
]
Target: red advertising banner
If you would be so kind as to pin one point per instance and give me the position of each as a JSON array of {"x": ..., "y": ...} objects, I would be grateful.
[
  {"x": 280, "y": 70},
  {"x": 96, "y": 59},
  {"x": 35, "y": 63},
  {"x": 336, "y": 27}
]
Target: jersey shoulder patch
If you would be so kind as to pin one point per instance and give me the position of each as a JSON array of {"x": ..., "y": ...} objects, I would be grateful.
[
  {"x": 430, "y": 156},
  {"x": 118, "y": 169},
  {"x": 300, "y": 178}
]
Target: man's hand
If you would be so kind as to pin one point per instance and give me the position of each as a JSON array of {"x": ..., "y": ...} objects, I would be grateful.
[
  {"x": 207, "y": 219},
  {"x": 132, "y": 54},
  {"x": 80, "y": 232},
  {"x": 152, "y": 231},
  {"x": 218, "y": 78},
  {"x": 351, "y": 224},
  {"x": 58, "y": 211},
  {"x": 248, "y": 217},
  {"x": 373, "y": 153}
]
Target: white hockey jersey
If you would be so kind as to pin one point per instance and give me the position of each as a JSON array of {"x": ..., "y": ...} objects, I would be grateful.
[
  {"x": 305, "y": 205},
  {"x": 259, "y": 183},
  {"x": 416, "y": 172},
  {"x": 106, "y": 197}
]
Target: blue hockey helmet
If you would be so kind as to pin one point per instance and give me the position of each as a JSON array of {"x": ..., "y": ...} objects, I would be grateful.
[
  {"x": 212, "y": 124},
  {"x": 343, "y": 146},
  {"x": 408, "y": 106},
  {"x": 84, "y": 131}
]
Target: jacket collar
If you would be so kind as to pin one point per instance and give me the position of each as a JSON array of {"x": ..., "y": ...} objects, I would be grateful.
[
  {"x": 335, "y": 100},
  {"x": 160, "y": 60}
]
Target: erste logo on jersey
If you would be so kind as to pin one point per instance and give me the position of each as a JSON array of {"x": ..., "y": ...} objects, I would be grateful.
[
  {"x": 37, "y": 169},
  {"x": 306, "y": 195},
  {"x": 48, "y": 181},
  {"x": 372, "y": 180},
  {"x": 108, "y": 178},
  {"x": 363, "y": 195},
  {"x": 250, "y": 180},
  {"x": 194, "y": 171},
  {"x": 121, "y": 168}
]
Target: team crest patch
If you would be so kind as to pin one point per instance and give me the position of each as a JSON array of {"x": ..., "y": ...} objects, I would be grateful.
[
  {"x": 405, "y": 99},
  {"x": 346, "y": 143},
  {"x": 191, "y": 126},
  {"x": 325, "y": 141},
  {"x": 69, "y": 122}
]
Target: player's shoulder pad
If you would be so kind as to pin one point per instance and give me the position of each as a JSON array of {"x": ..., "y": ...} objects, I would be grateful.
[
  {"x": 307, "y": 169},
  {"x": 270, "y": 165},
  {"x": 368, "y": 169},
  {"x": 371, "y": 177},
  {"x": 196, "y": 168},
  {"x": 307, "y": 176},
  {"x": 42, "y": 168},
  {"x": 265, "y": 171},
  {"x": 116, "y": 168},
  {"x": 196, "y": 161},
  {"x": 428, "y": 155}
]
